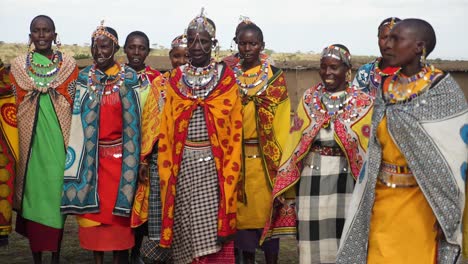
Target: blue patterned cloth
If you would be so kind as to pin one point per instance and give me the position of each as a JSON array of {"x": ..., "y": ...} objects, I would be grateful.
[{"x": 80, "y": 194}]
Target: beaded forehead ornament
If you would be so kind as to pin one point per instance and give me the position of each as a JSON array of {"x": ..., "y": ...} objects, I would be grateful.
[
  {"x": 102, "y": 31},
  {"x": 200, "y": 24},
  {"x": 390, "y": 24},
  {"x": 337, "y": 53},
  {"x": 179, "y": 42}
]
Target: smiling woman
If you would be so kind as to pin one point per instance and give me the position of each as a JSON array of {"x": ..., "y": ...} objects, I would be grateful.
[{"x": 327, "y": 146}]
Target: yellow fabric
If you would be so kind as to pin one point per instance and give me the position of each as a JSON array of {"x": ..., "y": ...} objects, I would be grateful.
[
  {"x": 402, "y": 228},
  {"x": 255, "y": 212},
  {"x": 114, "y": 70},
  {"x": 84, "y": 222},
  {"x": 151, "y": 119}
]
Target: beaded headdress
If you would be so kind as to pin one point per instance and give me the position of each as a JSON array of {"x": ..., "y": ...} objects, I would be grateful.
[
  {"x": 179, "y": 42},
  {"x": 390, "y": 24},
  {"x": 102, "y": 31},
  {"x": 337, "y": 53},
  {"x": 201, "y": 23},
  {"x": 245, "y": 20}
]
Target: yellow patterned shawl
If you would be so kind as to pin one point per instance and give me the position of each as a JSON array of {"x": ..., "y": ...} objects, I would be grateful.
[
  {"x": 352, "y": 137},
  {"x": 150, "y": 123},
  {"x": 222, "y": 109}
]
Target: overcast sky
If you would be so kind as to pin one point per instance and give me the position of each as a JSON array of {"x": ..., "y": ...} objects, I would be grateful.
[{"x": 288, "y": 26}]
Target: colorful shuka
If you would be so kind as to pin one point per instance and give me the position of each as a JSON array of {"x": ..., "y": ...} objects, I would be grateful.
[
  {"x": 369, "y": 76},
  {"x": 413, "y": 179},
  {"x": 145, "y": 79},
  {"x": 44, "y": 98},
  {"x": 8, "y": 153},
  {"x": 266, "y": 108},
  {"x": 199, "y": 158},
  {"x": 324, "y": 155},
  {"x": 103, "y": 157}
]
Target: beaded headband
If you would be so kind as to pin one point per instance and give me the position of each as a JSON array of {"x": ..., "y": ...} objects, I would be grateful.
[
  {"x": 245, "y": 20},
  {"x": 179, "y": 42},
  {"x": 200, "y": 24},
  {"x": 102, "y": 31},
  {"x": 337, "y": 53}
]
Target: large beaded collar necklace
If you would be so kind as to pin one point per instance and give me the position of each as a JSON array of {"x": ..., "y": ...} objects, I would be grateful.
[
  {"x": 43, "y": 75},
  {"x": 333, "y": 106},
  {"x": 99, "y": 88},
  {"x": 402, "y": 89},
  {"x": 199, "y": 79},
  {"x": 260, "y": 77}
]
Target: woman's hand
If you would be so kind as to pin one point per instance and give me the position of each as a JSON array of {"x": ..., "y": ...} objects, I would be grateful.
[{"x": 143, "y": 172}]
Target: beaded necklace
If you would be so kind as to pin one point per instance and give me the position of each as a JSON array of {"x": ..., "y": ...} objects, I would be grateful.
[
  {"x": 261, "y": 76},
  {"x": 408, "y": 88},
  {"x": 199, "y": 79},
  {"x": 98, "y": 87},
  {"x": 341, "y": 103},
  {"x": 43, "y": 74}
]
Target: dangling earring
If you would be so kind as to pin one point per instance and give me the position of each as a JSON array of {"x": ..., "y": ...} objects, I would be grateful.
[
  {"x": 423, "y": 57},
  {"x": 30, "y": 49},
  {"x": 348, "y": 76},
  {"x": 58, "y": 43}
]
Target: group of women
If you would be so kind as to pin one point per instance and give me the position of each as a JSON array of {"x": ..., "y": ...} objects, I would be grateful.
[{"x": 202, "y": 160}]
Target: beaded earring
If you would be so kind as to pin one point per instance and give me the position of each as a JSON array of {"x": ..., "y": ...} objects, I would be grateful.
[
  {"x": 30, "y": 49},
  {"x": 58, "y": 43},
  {"x": 423, "y": 57},
  {"x": 348, "y": 75}
]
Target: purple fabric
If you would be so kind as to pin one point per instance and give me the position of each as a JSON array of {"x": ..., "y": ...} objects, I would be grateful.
[{"x": 248, "y": 240}]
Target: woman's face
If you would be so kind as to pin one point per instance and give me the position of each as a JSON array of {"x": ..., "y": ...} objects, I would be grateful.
[
  {"x": 42, "y": 35},
  {"x": 199, "y": 47},
  {"x": 178, "y": 56},
  {"x": 250, "y": 47},
  {"x": 333, "y": 74},
  {"x": 401, "y": 48},
  {"x": 137, "y": 50},
  {"x": 103, "y": 51}
]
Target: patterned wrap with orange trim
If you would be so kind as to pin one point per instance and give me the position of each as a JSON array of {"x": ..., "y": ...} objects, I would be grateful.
[{"x": 222, "y": 109}]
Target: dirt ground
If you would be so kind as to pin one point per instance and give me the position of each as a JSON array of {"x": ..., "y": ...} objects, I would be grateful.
[{"x": 18, "y": 251}]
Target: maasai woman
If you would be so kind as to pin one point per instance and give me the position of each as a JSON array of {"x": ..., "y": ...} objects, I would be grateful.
[
  {"x": 150, "y": 192},
  {"x": 369, "y": 76},
  {"x": 137, "y": 48},
  {"x": 266, "y": 111},
  {"x": 408, "y": 204},
  {"x": 44, "y": 84},
  {"x": 104, "y": 151},
  {"x": 328, "y": 139},
  {"x": 234, "y": 59},
  {"x": 199, "y": 153},
  {"x": 178, "y": 53},
  {"x": 8, "y": 153}
]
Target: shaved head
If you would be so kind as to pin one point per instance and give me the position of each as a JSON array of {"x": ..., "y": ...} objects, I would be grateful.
[{"x": 423, "y": 31}]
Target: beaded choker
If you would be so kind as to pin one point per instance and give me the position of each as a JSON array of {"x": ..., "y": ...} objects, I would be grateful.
[
  {"x": 43, "y": 74},
  {"x": 261, "y": 76},
  {"x": 402, "y": 89},
  {"x": 334, "y": 105},
  {"x": 199, "y": 82},
  {"x": 98, "y": 87},
  {"x": 41, "y": 70}
]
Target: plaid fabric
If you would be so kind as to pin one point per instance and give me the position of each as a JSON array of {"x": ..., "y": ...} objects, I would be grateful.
[
  {"x": 196, "y": 207},
  {"x": 154, "y": 201},
  {"x": 197, "y": 130},
  {"x": 325, "y": 190},
  {"x": 151, "y": 252}
]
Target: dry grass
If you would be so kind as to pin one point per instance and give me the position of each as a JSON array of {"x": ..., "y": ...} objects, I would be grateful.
[{"x": 18, "y": 251}]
